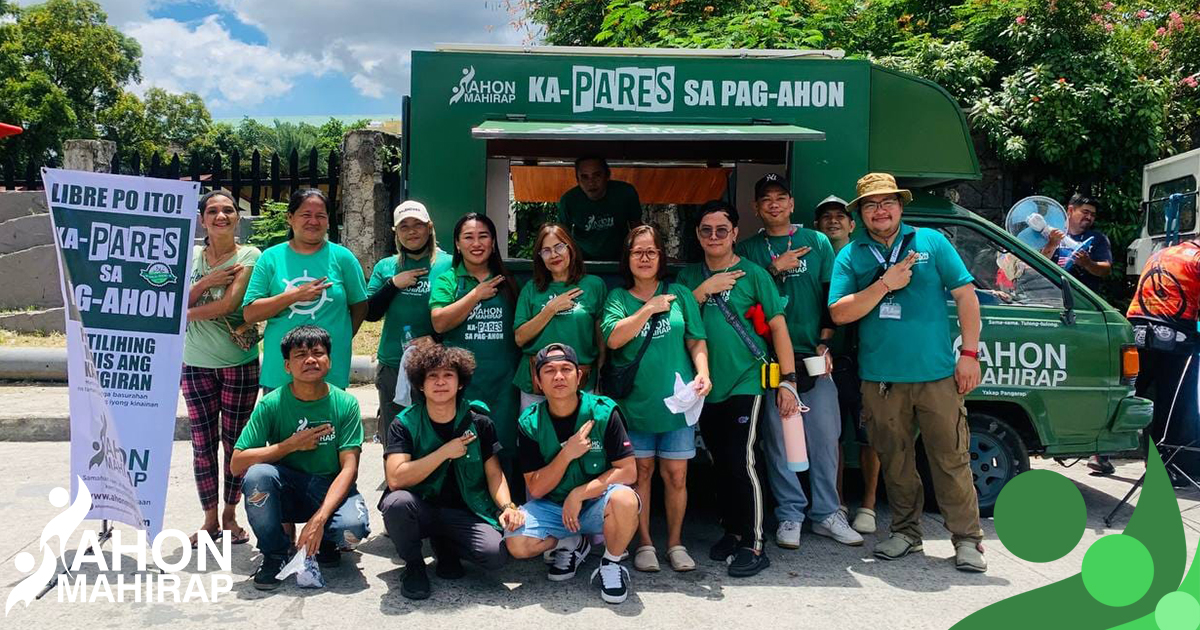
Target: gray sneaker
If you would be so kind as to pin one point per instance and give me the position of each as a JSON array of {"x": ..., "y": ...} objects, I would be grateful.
[
  {"x": 968, "y": 556},
  {"x": 837, "y": 528},
  {"x": 896, "y": 547}
]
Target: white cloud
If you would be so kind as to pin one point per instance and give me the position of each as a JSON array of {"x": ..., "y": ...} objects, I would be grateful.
[{"x": 205, "y": 59}]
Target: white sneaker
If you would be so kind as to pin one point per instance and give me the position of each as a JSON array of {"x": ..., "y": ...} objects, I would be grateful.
[
  {"x": 837, "y": 528},
  {"x": 614, "y": 581},
  {"x": 788, "y": 535}
]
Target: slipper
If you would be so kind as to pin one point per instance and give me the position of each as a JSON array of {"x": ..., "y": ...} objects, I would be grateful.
[
  {"x": 645, "y": 559},
  {"x": 214, "y": 534},
  {"x": 680, "y": 560},
  {"x": 864, "y": 521},
  {"x": 239, "y": 537}
]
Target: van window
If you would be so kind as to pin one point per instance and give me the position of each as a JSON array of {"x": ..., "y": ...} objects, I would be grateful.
[
  {"x": 1001, "y": 278},
  {"x": 1156, "y": 217}
]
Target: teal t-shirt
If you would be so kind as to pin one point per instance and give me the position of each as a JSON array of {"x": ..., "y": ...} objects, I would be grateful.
[
  {"x": 279, "y": 415},
  {"x": 802, "y": 288},
  {"x": 734, "y": 369},
  {"x": 279, "y": 269},
  {"x": 207, "y": 343},
  {"x": 599, "y": 227},
  {"x": 916, "y": 348},
  {"x": 576, "y": 327},
  {"x": 666, "y": 355},
  {"x": 488, "y": 334},
  {"x": 410, "y": 307}
]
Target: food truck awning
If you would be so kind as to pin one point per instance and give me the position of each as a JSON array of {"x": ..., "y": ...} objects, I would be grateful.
[{"x": 625, "y": 132}]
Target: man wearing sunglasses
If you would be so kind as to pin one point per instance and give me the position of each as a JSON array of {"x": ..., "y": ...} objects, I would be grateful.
[{"x": 892, "y": 279}]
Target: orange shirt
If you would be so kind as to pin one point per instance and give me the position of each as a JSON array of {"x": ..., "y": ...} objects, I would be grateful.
[{"x": 1169, "y": 289}]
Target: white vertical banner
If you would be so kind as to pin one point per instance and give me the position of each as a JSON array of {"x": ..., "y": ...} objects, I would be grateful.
[{"x": 124, "y": 256}]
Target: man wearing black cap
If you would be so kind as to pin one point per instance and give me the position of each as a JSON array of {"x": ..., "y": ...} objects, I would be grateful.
[
  {"x": 801, "y": 261},
  {"x": 582, "y": 462}
]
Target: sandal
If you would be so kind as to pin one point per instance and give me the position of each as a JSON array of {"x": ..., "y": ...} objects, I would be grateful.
[
  {"x": 214, "y": 534},
  {"x": 680, "y": 560},
  {"x": 238, "y": 536},
  {"x": 646, "y": 559},
  {"x": 864, "y": 521}
]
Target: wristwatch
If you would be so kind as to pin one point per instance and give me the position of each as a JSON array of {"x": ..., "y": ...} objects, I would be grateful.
[{"x": 789, "y": 377}]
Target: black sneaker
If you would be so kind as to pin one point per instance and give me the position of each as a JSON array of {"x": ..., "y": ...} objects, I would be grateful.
[
  {"x": 614, "y": 581},
  {"x": 328, "y": 555},
  {"x": 449, "y": 567},
  {"x": 724, "y": 548},
  {"x": 414, "y": 584},
  {"x": 745, "y": 563},
  {"x": 264, "y": 577},
  {"x": 1100, "y": 466},
  {"x": 566, "y": 561}
]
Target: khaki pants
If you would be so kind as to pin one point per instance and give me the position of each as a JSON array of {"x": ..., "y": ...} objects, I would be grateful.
[{"x": 893, "y": 417}]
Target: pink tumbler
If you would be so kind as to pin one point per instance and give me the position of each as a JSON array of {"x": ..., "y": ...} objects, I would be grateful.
[{"x": 793, "y": 442}]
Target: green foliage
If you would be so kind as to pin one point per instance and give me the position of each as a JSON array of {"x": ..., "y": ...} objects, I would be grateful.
[
  {"x": 62, "y": 64},
  {"x": 162, "y": 123},
  {"x": 271, "y": 227},
  {"x": 529, "y": 217}
]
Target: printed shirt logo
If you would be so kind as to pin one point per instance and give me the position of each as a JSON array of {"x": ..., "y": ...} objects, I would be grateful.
[
  {"x": 326, "y": 439},
  {"x": 595, "y": 223},
  {"x": 158, "y": 275},
  {"x": 469, "y": 90},
  {"x": 307, "y": 308}
]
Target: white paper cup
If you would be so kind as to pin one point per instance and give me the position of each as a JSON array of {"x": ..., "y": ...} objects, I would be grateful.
[{"x": 815, "y": 366}]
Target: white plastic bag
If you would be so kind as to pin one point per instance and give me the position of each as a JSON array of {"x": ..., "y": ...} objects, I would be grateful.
[
  {"x": 308, "y": 573},
  {"x": 685, "y": 400},
  {"x": 403, "y": 387}
]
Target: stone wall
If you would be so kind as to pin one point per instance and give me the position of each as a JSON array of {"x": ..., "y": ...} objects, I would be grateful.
[
  {"x": 366, "y": 204},
  {"x": 30, "y": 298}
]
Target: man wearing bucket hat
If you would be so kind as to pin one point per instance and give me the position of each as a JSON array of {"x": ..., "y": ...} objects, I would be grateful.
[
  {"x": 836, "y": 222},
  {"x": 398, "y": 293},
  {"x": 801, "y": 261},
  {"x": 892, "y": 280}
]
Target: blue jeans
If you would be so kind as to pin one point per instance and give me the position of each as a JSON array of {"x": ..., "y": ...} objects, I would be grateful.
[
  {"x": 822, "y": 430},
  {"x": 277, "y": 494},
  {"x": 543, "y": 517}
]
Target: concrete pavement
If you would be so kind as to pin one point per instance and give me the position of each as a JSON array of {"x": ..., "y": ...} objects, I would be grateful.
[{"x": 822, "y": 585}]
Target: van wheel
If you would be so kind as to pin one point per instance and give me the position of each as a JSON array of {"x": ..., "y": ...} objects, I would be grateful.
[{"x": 997, "y": 455}]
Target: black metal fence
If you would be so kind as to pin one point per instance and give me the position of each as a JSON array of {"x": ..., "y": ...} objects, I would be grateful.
[{"x": 251, "y": 181}]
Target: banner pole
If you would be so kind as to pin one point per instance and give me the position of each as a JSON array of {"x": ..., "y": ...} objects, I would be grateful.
[{"x": 106, "y": 531}]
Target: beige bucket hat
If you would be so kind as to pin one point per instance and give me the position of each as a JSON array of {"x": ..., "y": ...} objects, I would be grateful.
[{"x": 878, "y": 184}]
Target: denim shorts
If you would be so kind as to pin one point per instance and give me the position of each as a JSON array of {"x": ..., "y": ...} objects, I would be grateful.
[
  {"x": 677, "y": 444},
  {"x": 543, "y": 517}
]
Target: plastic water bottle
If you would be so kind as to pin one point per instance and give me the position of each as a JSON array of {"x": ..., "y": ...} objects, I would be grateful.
[
  {"x": 408, "y": 337},
  {"x": 1083, "y": 247}
]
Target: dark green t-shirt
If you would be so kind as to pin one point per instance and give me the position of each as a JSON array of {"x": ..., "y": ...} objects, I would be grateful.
[
  {"x": 734, "y": 369},
  {"x": 666, "y": 355},
  {"x": 802, "y": 288},
  {"x": 279, "y": 415},
  {"x": 599, "y": 227},
  {"x": 576, "y": 327},
  {"x": 410, "y": 307}
]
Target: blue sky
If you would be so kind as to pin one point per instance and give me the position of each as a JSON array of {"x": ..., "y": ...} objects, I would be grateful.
[{"x": 301, "y": 57}]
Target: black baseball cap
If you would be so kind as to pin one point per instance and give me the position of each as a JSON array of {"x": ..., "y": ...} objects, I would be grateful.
[
  {"x": 555, "y": 352},
  {"x": 768, "y": 180}
]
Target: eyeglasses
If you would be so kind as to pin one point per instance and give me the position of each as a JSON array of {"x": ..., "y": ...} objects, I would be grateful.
[
  {"x": 718, "y": 233},
  {"x": 644, "y": 254},
  {"x": 559, "y": 248},
  {"x": 873, "y": 206}
]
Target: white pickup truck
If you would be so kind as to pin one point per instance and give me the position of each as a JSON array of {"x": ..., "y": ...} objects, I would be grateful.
[{"x": 1161, "y": 182}]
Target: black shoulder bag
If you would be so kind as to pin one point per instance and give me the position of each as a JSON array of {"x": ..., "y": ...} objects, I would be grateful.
[{"x": 616, "y": 381}]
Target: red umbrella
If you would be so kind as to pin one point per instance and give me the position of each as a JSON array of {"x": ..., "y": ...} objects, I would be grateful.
[{"x": 9, "y": 130}]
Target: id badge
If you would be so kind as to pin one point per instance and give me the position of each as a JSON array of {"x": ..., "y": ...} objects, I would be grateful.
[{"x": 889, "y": 310}]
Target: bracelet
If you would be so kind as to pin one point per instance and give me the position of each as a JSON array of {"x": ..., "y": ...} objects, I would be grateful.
[{"x": 974, "y": 354}]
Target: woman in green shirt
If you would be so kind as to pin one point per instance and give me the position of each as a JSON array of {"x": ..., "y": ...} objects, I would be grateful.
[
  {"x": 307, "y": 280},
  {"x": 399, "y": 295},
  {"x": 677, "y": 346},
  {"x": 472, "y": 306},
  {"x": 561, "y": 305},
  {"x": 220, "y": 362}
]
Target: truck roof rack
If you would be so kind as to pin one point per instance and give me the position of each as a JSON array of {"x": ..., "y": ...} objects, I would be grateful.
[{"x": 744, "y": 53}]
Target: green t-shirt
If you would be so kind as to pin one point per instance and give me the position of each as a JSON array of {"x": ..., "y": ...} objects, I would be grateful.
[
  {"x": 802, "y": 288},
  {"x": 488, "y": 333},
  {"x": 207, "y": 344},
  {"x": 599, "y": 227},
  {"x": 279, "y": 269},
  {"x": 576, "y": 327},
  {"x": 279, "y": 415},
  {"x": 734, "y": 369},
  {"x": 410, "y": 307},
  {"x": 666, "y": 355},
  {"x": 917, "y": 347}
]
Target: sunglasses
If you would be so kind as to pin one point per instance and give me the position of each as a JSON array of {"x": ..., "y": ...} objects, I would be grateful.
[{"x": 718, "y": 233}]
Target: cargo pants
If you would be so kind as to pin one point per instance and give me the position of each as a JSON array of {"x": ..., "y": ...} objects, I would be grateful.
[{"x": 895, "y": 412}]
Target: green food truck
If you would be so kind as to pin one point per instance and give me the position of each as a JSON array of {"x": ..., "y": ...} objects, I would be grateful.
[{"x": 486, "y": 127}]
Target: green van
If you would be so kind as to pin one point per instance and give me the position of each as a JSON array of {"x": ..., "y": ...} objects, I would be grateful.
[{"x": 486, "y": 127}]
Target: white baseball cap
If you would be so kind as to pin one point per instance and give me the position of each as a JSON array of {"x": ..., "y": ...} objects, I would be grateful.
[{"x": 410, "y": 208}]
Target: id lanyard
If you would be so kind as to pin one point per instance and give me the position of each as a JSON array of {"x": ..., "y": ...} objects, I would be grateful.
[{"x": 889, "y": 309}]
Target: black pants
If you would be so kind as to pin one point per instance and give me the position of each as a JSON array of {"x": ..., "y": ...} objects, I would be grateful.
[
  {"x": 452, "y": 532},
  {"x": 1160, "y": 375},
  {"x": 730, "y": 429}
]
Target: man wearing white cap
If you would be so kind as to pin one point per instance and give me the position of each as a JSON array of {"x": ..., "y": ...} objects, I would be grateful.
[
  {"x": 892, "y": 279},
  {"x": 399, "y": 294}
]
